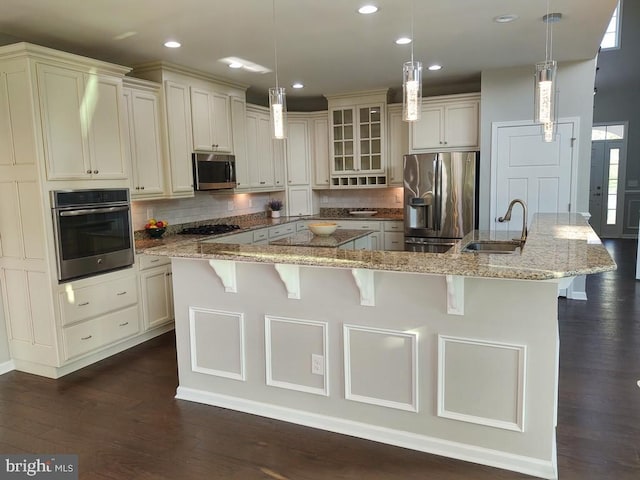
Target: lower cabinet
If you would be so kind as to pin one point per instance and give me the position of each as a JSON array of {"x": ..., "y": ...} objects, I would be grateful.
[
  {"x": 393, "y": 236},
  {"x": 157, "y": 291}
]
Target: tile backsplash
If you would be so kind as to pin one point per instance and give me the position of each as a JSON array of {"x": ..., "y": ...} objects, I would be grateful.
[{"x": 207, "y": 206}]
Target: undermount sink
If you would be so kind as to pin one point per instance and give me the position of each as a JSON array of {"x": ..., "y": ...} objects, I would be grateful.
[{"x": 492, "y": 246}]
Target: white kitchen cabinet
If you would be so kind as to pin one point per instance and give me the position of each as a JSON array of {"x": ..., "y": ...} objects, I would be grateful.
[
  {"x": 398, "y": 144},
  {"x": 298, "y": 152},
  {"x": 259, "y": 149},
  {"x": 447, "y": 123},
  {"x": 320, "y": 156},
  {"x": 179, "y": 132},
  {"x": 82, "y": 121},
  {"x": 239, "y": 126},
  {"x": 376, "y": 237},
  {"x": 281, "y": 231},
  {"x": 211, "y": 121},
  {"x": 279, "y": 152},
  {"x": 358, "y": 139},
  {"x": 157, "y": 296},
  {"x": 142, "y": 120},
  {"x": 299, "y": 200}
]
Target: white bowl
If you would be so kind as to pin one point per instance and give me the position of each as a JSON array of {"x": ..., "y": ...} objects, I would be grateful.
[{"x": 323, "y": 228}]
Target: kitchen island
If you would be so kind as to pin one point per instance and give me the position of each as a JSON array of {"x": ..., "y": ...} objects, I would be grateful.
[{"x": 453, "y": 353}]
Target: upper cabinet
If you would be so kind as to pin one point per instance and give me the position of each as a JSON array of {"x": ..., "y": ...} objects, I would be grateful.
[
  {"x": 239, "y": 127},
  {"x": 320, "y": 151},
  {"x": 142, "y": 119},
  {"x": 179, "y": 136},
  {"x": 357, "y": 125},
  {"x": 211, "y": 121},
  {"x": 447, "y": 123},
  {"x": 260, "y": 149},
  {"x": 398, "y": 144},
  {"x": 298, "y": 152},
  {"x": 82, "y": 120}
]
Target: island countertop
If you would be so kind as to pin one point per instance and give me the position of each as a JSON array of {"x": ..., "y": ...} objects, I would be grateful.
[
  {"x": 308, "y": 239},
  {"x": 558, "y": 245}
]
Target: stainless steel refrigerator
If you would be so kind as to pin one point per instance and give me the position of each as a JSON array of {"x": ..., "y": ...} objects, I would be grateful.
[{"x": 440, "y": 199}]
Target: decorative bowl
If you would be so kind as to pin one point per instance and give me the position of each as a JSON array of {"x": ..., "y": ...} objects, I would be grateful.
[
  {"x": 323, "y": 228},
  {"x": 156, "y": 232}
]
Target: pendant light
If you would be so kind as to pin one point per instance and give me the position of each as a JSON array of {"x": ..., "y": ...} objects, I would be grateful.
[
  {"x": 545, "y": 83},
  {"x": 277, "y": 96},
  {"x": 411, "y": 83}
]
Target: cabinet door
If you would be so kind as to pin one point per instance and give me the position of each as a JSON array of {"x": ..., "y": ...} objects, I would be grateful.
[
  {"x": 239, "y": 124},
  {"x": 157, "y": 296},
  {"x": 343, "y": 140},
  {"x": 279, "y": 149},
  {"x": 104, "y": 112},
  {"x": 63, "y": 121},
  {"x": 320, "y": 157},
  {"x": 370, "y": 135},
  {"x": 201, "y": 120},
  {"x": 179, "y": 131},
  {"x": 398, "y": 145},
  {"x": 461, "y": 125},
  {"x": 299, "y": 200},
  {"x": 146, "y": 149},
  {"x": 298, "y": 153},
  {"x": 266, "y": 176},
  {"x": 428, "y": 132},
  {"x": 221, "y": 108},
  {"x": 253, "y": 149}
]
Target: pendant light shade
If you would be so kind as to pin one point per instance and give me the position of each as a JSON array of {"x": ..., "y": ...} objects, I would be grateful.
[
  {"x": 278, "y": 109},
  {"x": 545, "y": 92},
  {"x": 277, "y": 97},
  {"x": 411, "y": 91}
]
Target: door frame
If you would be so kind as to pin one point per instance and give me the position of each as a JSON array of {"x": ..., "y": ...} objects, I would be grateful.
[
  {"x": 573, "y": 195},
  {"x": 622, "y": 181}
]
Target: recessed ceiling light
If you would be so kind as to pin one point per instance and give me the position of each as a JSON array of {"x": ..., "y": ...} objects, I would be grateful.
[
  {"x": 235, "y": 65},
  {"x": 172, "y": 44},
  {"x": 403, "y": 41},
  {"x": 435, "y": 67},
  {"x": 367, "y": 9},
  {"x": 552, "y": 17},
  {"x": 297, "y": 85},
  {"x": 509, "y": 17},
  {"x": 237, "y": 62}
]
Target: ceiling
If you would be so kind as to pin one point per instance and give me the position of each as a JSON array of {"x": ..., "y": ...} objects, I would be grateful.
[{"x": 324, "y": 44}]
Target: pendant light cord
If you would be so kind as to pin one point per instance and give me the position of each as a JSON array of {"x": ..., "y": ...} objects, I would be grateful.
[
  {"x": 275, "y": 40},
  {"x": 413, "y": 6},
  {"x": 547, "y": 52}
]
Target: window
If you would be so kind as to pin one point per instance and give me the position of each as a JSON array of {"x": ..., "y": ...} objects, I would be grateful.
[
  {"x": 607, "y": 132},
  {"x": 612, "y": 190},
  {"x": 611, "y": 37}
]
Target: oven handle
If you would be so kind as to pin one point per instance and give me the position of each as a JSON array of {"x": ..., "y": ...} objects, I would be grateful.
[{"x": 90, "y": 211}]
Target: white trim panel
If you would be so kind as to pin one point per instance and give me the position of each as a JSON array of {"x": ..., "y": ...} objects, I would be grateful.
[
  {"x": 7, "y": 367},
  {"x": 520, "y": 382},
  {"x": 268, "y": 320},
  {"x": 423, "y": 443},
  {"x": 412, "y": 405},
  {"x": 240, "y": 346}
]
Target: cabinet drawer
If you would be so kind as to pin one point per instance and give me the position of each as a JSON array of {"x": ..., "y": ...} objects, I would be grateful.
[
  {"x": 99, "y": 332},
  {"x": 393, "y": 226},
  {"x": 260, "y": 235},
  {"x": 300, "y": 226},
  {"x": 282, "y": 230},
  {"x": 394, "y": 241},
  {"x": 359, "y": 225},
  {"x": 150, "y": 261},
  {"x": 92, "y": 301}
]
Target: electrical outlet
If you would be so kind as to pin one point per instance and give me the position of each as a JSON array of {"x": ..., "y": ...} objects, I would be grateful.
[
  {"x": 230, "y": 205},
  {"x": 251, "y": 203},
  {"x": 398, "y": 199},
  {"x": 317, "y": 364},
  {"x": 149, "y": 212}
]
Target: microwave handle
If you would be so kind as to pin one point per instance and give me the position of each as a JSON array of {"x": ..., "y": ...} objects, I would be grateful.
[
  {"x": 89, "y": 211},
  {"x": 229, "y": 173}
]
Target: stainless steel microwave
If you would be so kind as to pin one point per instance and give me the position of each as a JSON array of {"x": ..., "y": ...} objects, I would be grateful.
[{"x": 213, "y": 171}]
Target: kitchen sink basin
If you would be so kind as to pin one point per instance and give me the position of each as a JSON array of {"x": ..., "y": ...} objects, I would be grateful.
[{"x": 492, "y": 246}]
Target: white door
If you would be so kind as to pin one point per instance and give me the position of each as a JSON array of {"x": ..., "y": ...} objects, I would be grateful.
[{"x": 525, "y": 167}]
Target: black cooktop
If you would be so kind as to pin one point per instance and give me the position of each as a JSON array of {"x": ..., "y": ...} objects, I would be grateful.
[{"x": 212, "y": 229}]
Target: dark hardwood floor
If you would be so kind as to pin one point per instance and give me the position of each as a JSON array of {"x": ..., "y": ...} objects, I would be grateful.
[{"x": 120, "y": 416}]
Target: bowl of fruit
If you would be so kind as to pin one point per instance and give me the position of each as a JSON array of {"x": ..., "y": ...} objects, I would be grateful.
[{"x": 156, "y": 228}]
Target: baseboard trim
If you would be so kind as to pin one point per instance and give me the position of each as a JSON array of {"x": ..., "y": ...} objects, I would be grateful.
[
  {"x": 7, "y": 367},
  {"x": 460, "y": 451}
]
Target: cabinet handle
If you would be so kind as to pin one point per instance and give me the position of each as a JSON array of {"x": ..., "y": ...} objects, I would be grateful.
[
  {"x": 124, "y": 324},
  {"x": 262, "y": 183},
  {"x": 155, "y": 260},
  {"x": 122, "y": 293},
  {"x": 83, "y": 304},
  {"x": 87, "y": 338}
]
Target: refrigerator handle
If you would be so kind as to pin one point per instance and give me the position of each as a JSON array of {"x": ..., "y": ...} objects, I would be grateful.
[{"x": 437, "y": 211}]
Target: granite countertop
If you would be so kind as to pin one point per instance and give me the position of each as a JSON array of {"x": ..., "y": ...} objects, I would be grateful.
[
  {"x": 558, "y": 245},
  {"x": 308, "y": 239}
]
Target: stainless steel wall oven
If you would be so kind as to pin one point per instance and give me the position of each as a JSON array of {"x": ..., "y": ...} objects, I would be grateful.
[{"x": 93, "y": 231}]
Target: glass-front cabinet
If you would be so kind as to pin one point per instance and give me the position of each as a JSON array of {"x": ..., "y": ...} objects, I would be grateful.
[{"x": 358, "y": 141}]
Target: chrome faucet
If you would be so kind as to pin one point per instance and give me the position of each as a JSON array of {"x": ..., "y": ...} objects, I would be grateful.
[{"x": 507, "y": 217}]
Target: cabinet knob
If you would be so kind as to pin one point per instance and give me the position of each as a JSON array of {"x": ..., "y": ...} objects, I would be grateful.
[
  {"x": 137, "y": 188},
  {"x": 262, "y": 183},
  {"x": 95, "y": 171},
  {"x": 141, "y": 188},
  {"x": 88, "y": 171},
  {"x": 326, "y": 181}
]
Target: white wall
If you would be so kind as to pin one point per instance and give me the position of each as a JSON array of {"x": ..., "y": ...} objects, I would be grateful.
[{"x": 507, "y": 95}]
